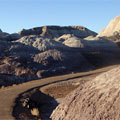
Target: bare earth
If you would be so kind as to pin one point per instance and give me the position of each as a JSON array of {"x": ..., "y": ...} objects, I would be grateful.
[{"x": 8, "y": 95}]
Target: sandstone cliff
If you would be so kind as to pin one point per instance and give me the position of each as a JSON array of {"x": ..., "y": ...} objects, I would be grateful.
[{"x": 113, "y": 26}]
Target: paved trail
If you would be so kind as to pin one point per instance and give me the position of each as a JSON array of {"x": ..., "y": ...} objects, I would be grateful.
[{"x": 9, "y": 94}]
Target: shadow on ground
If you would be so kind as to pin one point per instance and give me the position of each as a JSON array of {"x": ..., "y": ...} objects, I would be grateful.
[{"x": 45, "y": 104}]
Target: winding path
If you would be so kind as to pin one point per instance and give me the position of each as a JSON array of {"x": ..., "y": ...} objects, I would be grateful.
[{"x": 8, "y": 95}]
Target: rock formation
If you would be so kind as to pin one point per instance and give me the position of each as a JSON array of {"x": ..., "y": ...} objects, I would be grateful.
[
  {"x": 57, "y": 31},
  {"x": 113, "y": 26},
  {"x": 98, "y": 99},
  {"x": 3, "y": 34},
  {"x": 33, "y": 57},
  {"x": 64, "y": 37},
  {"x": 47, "y": 51},
  {"x": 89, "y": 43},
  {"x": 41, "y": 43},
  {"x": 74, "y": 42}
]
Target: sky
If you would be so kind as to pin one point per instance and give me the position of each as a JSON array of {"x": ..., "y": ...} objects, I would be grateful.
[{"x": 93, "y": 14}]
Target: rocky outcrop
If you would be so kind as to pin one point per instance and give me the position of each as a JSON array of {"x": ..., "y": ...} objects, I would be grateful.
[
  {"x": 89, "y": 43},
  {"x": 57, "y": 31},
  {"x": 98, "y": 99},
  {"x": 113, "y": 26},
  {"x": 33, "y": 57},
  {"x": 41, "y": 43}
]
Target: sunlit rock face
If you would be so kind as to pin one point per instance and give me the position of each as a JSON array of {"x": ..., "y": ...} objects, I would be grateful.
[
  {"x": 94, "y": 100},
  {"x": 113, "y": 26}
]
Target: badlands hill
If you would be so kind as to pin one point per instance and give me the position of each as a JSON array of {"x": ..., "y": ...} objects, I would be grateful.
[
  {"x": 47, "y": 51},
  {"x": 97, "y": 99},
  {"x": 33, "y": 57},
  {"x": 32, "y": 54}
]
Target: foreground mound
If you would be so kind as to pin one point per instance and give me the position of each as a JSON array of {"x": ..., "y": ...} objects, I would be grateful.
[{"x": 98, "y": 99}]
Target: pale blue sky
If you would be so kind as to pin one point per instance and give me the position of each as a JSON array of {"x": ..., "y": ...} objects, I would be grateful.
[{"x": 93, "y": 14}]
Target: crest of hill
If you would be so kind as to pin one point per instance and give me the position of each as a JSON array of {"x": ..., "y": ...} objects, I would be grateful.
[{"x": 57, "y": 31}]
